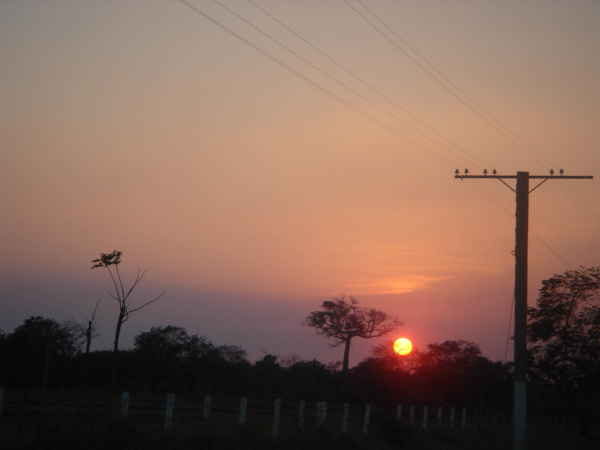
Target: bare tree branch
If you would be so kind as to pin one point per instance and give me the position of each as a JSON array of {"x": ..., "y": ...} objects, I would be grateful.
[{"x": 145, "y": 304}]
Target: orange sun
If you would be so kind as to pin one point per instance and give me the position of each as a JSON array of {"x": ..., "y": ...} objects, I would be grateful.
[{"x": 402, "y": 346}]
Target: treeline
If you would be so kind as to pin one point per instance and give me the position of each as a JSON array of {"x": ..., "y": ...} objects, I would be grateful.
[{"x": 45, "y": 353}]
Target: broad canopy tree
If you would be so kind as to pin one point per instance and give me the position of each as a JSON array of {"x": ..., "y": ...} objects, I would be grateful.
[
  {"x": 563, "y": 330},
  {"x": 342, "y": 319}
]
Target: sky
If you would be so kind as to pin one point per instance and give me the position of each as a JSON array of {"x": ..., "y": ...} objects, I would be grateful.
[{"x": 258, "y": 158}]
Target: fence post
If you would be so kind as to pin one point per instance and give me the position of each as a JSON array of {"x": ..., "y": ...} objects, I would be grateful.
[
  {"x": 169, "y": 412},
  {"x": 345, "y": 418},
  {"x": 425, "y": 410},
  {"x": 412, "y": 414},
  {"x": 321, "y": 413},
  {"x": 276, "y": 417},
  {"x": 366, "y": 422},
  {"x": 464, "y": 418},
  {"x": 206, "y": 411},
  {"x": 399, "y": 413},
  {"x": 301, "y": 414},
  {"x": 439, "y": 417},
  {"x": 124, "y": 405},
  {"x": 452, "y": 411},
  {"x": 242, "y": 417},
  {"x": 1, "y": 399}
]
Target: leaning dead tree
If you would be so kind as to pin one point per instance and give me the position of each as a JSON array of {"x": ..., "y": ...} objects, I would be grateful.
[
  {"x": 121, "y": 295},
  {"x": 85, "y": 332}
]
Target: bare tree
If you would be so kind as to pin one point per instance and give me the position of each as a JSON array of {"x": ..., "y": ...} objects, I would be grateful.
[
  {"x": 85, "y": 333},
  {"x": 121, "y": 295},
  {"x": 342, "y": 319}
]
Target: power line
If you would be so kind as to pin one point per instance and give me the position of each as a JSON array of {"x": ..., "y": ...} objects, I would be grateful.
[
  {"x": 457, "y": 88},
  {"x": 480, "y": 107},
  {"x": 580, "y": 208},
  {"x": 547, "y": 223},
  {"x": 391, "y": 130},
  {"x": 583, "y": 201},
  {"x": 541, "y": 241},
  {"x": 342, "y": 84},
  {"x": 365, "y": 83},
  {"x": 446, "y": 87},
  {"x": 559, "y": 234},
  {"x": 491, "y": 197},
  {"x": 495, "y": 200}
]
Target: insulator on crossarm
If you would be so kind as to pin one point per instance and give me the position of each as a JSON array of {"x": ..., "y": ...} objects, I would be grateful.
[
  {"x": 456, "y": 172},
  {"x": 561, "y": 172},
  {"x": 466, "y": 171},
  {"x": 494, "y": 172},
  {"x": 551, "y": 172},
  {"x": 485, "y": 172}
]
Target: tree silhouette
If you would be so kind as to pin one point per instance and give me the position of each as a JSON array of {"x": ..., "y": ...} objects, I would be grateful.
[
  {"x": 37, "y": 344},
  {"x": 121, "y": 296},
  {"x": 563, "y": 330},
  {"x": 85, "y": 333},
  {"x": 342, "y": 319}
]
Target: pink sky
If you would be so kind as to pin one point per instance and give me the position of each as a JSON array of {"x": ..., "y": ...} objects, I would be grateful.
[{"x": 251, "y": 196}]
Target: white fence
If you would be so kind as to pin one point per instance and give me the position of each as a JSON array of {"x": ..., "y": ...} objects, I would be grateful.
[
  {"x": 300, "y": 414},
  {"x": 320, "y": 414}
]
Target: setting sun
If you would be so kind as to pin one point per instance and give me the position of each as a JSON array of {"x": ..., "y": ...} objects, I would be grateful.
[{"x": 402, "y": 346}]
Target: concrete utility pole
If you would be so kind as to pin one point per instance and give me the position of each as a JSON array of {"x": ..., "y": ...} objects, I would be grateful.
[{"x": 521, "y": 242}]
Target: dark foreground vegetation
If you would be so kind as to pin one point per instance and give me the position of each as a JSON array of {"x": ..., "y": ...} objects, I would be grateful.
[
  {"x": 168, "y": 359},
  {"x": 43, "y": 357},
  {"x": 50, "y": 421}
]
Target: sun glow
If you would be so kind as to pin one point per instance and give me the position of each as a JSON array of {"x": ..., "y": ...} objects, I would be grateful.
[{"x": 402, "y": 346}]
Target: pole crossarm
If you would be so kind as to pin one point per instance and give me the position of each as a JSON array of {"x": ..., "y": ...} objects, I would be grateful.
[
  {"x": 560, "y": 177},
  {"x": 542, "y": 177}
]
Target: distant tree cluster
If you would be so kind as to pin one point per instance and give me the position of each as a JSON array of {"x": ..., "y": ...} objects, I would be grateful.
[
  {"x": 563, "y": 334},
  {"x": 453, "y": 372},
  {"x": 168, "y": 358},
  {"x": 40, "y": 351}
]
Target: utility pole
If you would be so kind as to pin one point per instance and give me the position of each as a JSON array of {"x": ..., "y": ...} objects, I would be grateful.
[{"x": 521, "y": 242}]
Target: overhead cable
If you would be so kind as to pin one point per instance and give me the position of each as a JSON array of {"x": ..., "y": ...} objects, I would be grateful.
[
  {"x": 381, "y": 124},
  {"x": 370, "y": 86},
  {"x": 450, "y": 91},
  {"x": 345, "y": 86}
]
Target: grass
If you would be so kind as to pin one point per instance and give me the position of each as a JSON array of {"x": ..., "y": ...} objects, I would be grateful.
[
  {"x": 56, "y": 432},
  {"x": 24, "y": 428}
]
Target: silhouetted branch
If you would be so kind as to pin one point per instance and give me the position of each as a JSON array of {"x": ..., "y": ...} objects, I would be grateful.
[{"x": 145, "y": 304}]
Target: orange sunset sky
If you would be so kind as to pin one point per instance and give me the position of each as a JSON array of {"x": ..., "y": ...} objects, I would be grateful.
[{"x": 253, "y": 190}]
